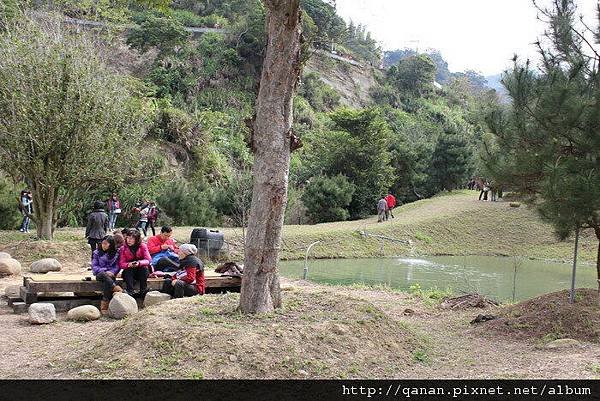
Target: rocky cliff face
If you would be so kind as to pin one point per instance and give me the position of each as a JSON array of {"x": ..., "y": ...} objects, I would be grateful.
[{"x": 351, "y": 81}]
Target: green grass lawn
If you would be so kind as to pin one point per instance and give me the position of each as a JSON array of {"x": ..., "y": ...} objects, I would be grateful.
[{"x": 450, "y": 224}]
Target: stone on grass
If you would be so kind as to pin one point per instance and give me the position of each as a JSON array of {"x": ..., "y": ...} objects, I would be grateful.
[
  {"x": 45, "y": 265},
  {"x": 9, "y": 266},
  {"x": 563, "y": 343},
  {"x": 4, "y": 255},
  {"x": 515, "y": 204},
  {"x": 155, "y": 297},
  {"x": 42, "y": 313},
  {"x": 122, "y": 305},
  {"x": 84, "y": 313}
]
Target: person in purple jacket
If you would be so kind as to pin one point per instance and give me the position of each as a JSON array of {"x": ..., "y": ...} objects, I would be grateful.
[{"x": 105, "y": 266}]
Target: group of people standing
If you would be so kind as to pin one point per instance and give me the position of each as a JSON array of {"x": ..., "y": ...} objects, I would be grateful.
[
  {"x": 124, "y": 251},
  {"x": 148, "y": 214},
  {"x": 485, "y": 187},
  {"x": 385, "y": 207}
]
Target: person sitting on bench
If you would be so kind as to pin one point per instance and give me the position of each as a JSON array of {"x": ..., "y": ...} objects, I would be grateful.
[
  {"x": 189, "y": 280},
  {"x": 105, "y": 266},
  {"x": 163, "y": 251},
  {"x": 134, "y": 259}
]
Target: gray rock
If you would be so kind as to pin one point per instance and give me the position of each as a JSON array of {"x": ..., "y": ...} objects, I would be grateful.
[
  {"x": 122, "y": 305},
  {"x": 45, "y": 265},
  {"x": 42, "y": 313},
  {"x": 155, "y": 297},
  {"x": 12, "y": 291},
  {"x": 9, "y": 266},
  {"x": 4, "y": 255},
  {"x": 233, "y": 358},
  {"x": 563, "y": 343},
  {"x": 84, "y": 313}
]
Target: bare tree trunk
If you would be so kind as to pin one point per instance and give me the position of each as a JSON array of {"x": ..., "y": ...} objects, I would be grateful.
[
  {"x": 271, "y": 143},
  {"x": 597, "y": 231},
  {"x": 44, "y": 210}
]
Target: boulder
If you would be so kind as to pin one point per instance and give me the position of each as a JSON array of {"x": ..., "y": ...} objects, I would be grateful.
[
  {"x": 4, "y": 255},
  {"x": 42, "y": 313},
  {"x": 9, "y": 266},
  {"x": 12, "y": 291},
  {"x": 563, "y": 343},
  {"x": 45, "y": 265},
  {"x": 515, "y": 204},
  {"x": 122, "y": 305},
  {"x": 84, "y": 313},
  {"x": 155, "y": 297}
]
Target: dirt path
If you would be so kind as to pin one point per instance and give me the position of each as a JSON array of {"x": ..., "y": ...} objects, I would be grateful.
[{"x": 454, "y": 349}]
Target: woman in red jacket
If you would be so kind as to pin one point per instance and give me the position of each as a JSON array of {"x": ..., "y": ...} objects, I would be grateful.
[
  {"x": 189, "y": 280},
  {"x": 134, "y": 259}
]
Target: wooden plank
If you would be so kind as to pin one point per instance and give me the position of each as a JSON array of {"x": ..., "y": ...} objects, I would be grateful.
[
  {"x": 27, "y": 296},
  {"x": 34, "y": 286}
]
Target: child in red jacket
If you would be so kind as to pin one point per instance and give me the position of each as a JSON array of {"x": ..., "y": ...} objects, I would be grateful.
[{"x": 189, "y": 280}]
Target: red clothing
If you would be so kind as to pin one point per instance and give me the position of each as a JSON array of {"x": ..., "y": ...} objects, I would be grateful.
[
  {"x": 154, "y": 244},
  {"x": 391, "y": 201},
  {"x": 194, "y": 273},
  {"x": 142, "y": 256}
]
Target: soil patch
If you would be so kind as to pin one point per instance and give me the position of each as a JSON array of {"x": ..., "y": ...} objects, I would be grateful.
[{"x": 551, "y": 316}]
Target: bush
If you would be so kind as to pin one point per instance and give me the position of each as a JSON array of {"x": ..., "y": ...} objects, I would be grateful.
[
  {"x": 188, "y": 205},
  {"x": 9, "y": 206},
  {"x": 326, "y": 199}
]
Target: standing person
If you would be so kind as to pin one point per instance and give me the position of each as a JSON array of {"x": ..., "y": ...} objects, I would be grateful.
[
  {"x": 113, "y": 204},
  {"x": 143, "y": 220},
  {"x": 134, "y": 259},
  {"x": 391, "y": 204},
  {"x": 381, "y": 210},
  {"x": 97, "y": 225},
  {"x": 152, "y": 216},
  {"x": 163, "y": 251},
  {"x": 189, "y": 280},
  {"x": 26, "y": 208},
  {"x": 105, "y": 267}
]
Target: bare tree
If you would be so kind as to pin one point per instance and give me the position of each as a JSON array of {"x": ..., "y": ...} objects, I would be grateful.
[{"x": 272, "y": 140}]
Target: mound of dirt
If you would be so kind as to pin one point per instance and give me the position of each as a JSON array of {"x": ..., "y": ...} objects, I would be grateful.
[
  {"x": 551, "y": 316},
  {"x": 317, "y": 335},
  {"x": 71, "y": 254}
]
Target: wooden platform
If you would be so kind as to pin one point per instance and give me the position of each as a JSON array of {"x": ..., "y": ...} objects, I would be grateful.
[{"x": 79, "y": 289}]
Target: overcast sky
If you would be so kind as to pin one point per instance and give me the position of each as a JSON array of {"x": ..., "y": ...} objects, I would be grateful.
[{"x": 471, "y": 34}]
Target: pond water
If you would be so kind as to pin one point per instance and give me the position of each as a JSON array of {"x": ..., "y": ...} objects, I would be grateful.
[{"x": 487, "y": 275}]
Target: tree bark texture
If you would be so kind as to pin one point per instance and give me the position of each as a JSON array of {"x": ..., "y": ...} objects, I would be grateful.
[
  {"x": 260, "y": 291},
  {"x": 44, "y": 210}
]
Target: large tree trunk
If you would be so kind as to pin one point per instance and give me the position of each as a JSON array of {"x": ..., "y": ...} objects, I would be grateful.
[
  {"x": 45, "y": 211},
  {"x": 271, "y": 143}
]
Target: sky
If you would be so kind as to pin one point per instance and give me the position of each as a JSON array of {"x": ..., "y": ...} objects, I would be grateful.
[{"x": 481, "y": 35}]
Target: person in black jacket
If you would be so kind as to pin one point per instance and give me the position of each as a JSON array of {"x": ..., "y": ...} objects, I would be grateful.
[{"x": 97, "y": 225}]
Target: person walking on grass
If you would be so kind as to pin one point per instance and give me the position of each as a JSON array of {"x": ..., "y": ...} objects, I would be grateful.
[
  {"x": 153, "y": 212},
  {"x": 189, "y": 280},
  {"x": 134, "y": 259},
  {"x": 97, "y": 224},
  {"x": 105, "y": 267},
  {"x": 391, "y": 204},
  {"x": 381, "y": 210},
  {"x": 26, "y": 208},
  {"x": 113, "y": 205},
  {"x": 142, "y": 223}
]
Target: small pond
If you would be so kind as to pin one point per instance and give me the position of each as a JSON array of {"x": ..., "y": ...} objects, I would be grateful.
[{"x": 488, "y": 275}]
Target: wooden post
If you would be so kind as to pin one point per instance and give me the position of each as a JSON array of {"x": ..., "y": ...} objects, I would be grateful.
[{"x": 572, "y": 294}]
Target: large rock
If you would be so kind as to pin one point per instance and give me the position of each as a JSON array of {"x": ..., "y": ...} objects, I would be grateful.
[
  {"x": 45, "y": 265},
  {"x": 42, "y": 313},
  {"x": 155, "y": 297},
  {"x": 4, "y": 255},
  {"x": 9, "y": 266},
  {"x": 84, "y": 313},
  {"x": 122, "y": 305},
  {"x": 563, "y": 343}
]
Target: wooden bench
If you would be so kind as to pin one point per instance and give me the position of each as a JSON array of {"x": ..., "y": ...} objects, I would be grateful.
[{"x": 74, "y": 290}]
